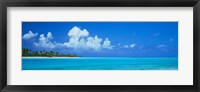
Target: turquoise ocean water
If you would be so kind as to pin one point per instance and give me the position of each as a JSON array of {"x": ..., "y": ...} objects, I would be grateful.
[{"x": 99, "y": 63}]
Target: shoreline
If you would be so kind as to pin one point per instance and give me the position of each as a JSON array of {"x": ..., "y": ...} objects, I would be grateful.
[
  {"x": 50, "y": 57},
  {"x": 109, "y": 57}
]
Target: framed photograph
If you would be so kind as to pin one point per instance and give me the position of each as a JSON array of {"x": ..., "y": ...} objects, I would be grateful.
[{"x": 74, "y": 45}]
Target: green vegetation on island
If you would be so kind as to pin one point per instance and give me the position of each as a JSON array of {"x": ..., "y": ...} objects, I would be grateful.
[{"x": 42, "y": 53}]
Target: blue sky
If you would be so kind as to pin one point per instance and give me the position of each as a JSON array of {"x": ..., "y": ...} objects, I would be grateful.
[{"x": 103, "y": 39}]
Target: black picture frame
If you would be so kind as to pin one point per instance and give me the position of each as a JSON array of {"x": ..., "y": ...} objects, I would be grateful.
[{"x": 99, "y": 3}]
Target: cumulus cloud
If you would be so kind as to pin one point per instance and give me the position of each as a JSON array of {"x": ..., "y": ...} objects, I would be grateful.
[
  {"x": 78, "y": 39},
  {"x": 161, "y": 46},
  {"x": 94, "y": 43},
  {"x": 49, "y": 35},
  {"x": 126, "y": 46},
  {"x": 77, "y": 32},
  {"x": 29, "y": 35},
  {"x": 45, "y": 42},
  {"x": 107, "y": 44},
  {"x": 132, "y": 45}
]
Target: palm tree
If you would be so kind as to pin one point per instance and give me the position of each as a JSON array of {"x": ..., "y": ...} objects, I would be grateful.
[
  {"x": 29, "y": 52},
  {"x": 36, "y": 53},
  {"x": 56, "y": 53},
  {"x": 44, "y": 51},
  {"x": 40, "y": 52},
  {"x": 26, "y": 50},
  {"x": 51, "y": 52}
]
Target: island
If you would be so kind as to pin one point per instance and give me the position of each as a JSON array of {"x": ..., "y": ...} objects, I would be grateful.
[{"x": 42, "y": 53}]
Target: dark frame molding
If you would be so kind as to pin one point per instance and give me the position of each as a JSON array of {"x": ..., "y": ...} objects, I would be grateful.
[{"x": 99, "y": 3}]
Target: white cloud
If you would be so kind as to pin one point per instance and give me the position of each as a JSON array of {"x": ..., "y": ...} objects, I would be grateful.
[
  {"x": 29, "y": 35},
  {"x": 106, "y": 44},
  {"x": 77, "y": 36},
  {"x": 45, "y": 42},
  {"x": 49, "y": 35},
  {"x": 77, "y": 32},
  {"x": 94, "y": 43},
  {"x": 78, "y": 39},
  {"x": 132, "y": 45},
  {"x": 161, "y": 46},
  {"x": 126, "y": 46}
]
